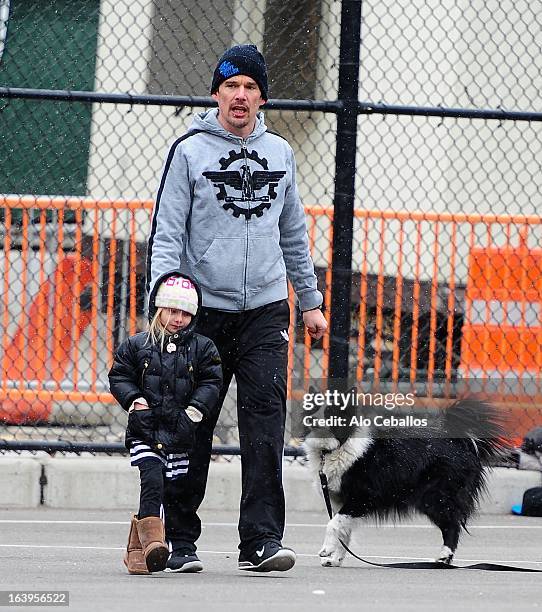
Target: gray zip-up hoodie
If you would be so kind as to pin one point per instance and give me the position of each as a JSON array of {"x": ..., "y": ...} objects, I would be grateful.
[{"x": 228, "y": 214}]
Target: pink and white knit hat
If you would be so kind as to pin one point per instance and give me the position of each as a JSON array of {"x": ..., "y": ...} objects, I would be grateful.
[{"x": 177, "y": 292}]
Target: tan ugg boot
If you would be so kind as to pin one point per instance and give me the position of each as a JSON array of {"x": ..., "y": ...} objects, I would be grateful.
[
  {"x": 152, "y": 537},
  {"x": 134, "y": 559}
]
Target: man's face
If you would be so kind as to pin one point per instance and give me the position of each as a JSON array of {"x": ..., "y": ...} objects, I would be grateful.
[{"x": 239, "y": 99}]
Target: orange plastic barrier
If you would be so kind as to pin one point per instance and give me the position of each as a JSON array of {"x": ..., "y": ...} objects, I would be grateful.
[
  {"x": 502, "y": 333},
  {"x": 38, "y": 358},
  {"x": 35, "y": 334}
]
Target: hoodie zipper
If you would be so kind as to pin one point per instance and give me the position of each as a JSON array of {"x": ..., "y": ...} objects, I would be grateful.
[{"x": 247, "y": 217}]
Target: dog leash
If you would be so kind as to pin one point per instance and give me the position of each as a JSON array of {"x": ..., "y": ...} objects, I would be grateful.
[{"x": 494, "y": 567}]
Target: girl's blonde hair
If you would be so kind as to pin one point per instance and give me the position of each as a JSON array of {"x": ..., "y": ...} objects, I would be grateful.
[{"x": 157, "y": 331}]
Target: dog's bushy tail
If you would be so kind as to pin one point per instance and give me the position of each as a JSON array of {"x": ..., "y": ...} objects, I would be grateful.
[{"x": 480, "y": 422}]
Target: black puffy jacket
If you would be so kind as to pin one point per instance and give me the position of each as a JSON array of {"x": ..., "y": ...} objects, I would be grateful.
[{"x": 170, "y": 380}]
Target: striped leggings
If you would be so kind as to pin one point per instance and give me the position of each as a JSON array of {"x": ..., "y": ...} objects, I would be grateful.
[{"x": 154, "y": 469}]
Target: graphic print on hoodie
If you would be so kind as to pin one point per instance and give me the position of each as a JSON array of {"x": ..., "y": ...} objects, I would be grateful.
[{"x": 246, "y": 183}]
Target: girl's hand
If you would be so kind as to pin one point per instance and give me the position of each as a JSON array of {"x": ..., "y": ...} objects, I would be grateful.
[{"x": 139, "y": 406}]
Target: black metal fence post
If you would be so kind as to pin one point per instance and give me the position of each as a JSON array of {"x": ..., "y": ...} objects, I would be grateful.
[{"x": 345, "y": 175}]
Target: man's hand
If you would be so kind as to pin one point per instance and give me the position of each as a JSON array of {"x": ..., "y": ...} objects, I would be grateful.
[{"x": 315, "y": 322}]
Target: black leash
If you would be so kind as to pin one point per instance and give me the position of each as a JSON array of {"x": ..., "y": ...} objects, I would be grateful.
[{"x": 494, "y": 567}]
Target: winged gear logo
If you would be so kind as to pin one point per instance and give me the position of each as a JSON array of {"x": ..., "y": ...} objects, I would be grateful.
[{"x": 247, "y": 182}]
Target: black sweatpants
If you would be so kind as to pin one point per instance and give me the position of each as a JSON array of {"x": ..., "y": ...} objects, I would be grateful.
[{"x": 253, "y": 345}]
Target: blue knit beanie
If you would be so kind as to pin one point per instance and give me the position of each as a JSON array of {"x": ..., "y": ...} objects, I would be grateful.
[{"x": 241, "y": 59}]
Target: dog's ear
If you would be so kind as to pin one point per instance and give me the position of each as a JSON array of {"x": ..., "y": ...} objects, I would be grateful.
[
  {"x": 320, "y": 432},
  {"x": 341, "y": 434}
]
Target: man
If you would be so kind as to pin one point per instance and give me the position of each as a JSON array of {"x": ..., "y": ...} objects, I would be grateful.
[{"x": 229, "y": 214}]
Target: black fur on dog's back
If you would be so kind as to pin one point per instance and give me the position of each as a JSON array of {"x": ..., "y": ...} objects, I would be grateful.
[{"x": 441, "y": 476}]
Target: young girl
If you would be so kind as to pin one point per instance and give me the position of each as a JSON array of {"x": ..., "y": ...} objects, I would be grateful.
[{"x": 168, "y": 379}]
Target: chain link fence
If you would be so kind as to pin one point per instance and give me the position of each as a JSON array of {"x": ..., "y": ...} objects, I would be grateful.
[{"x": 446, "y": 265}]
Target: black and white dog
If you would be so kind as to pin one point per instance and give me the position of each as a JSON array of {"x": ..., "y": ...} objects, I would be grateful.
[{"x": 385, "y": 477}]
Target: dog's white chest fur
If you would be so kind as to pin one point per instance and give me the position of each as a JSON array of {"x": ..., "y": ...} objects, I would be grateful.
[{"x": 337, "y": 459}]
